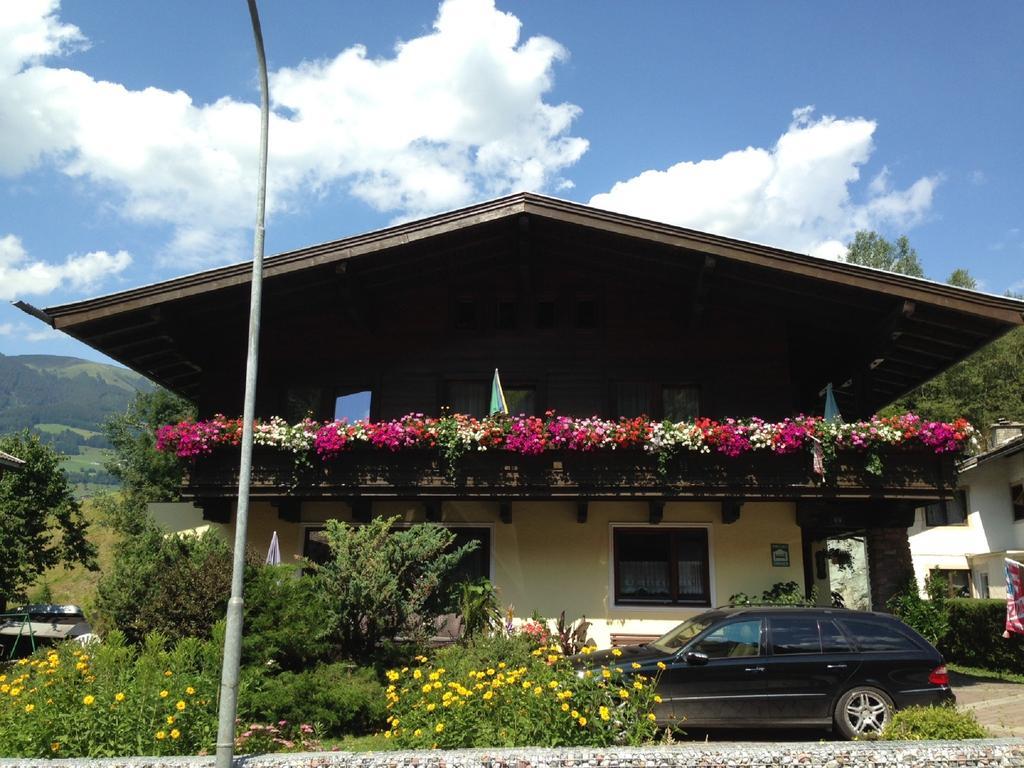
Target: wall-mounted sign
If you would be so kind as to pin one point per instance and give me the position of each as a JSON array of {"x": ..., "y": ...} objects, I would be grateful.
[{"x": 780, "y": 555}]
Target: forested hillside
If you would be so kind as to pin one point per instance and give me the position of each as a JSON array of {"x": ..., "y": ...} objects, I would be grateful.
[{"x": 66, "y": 400}]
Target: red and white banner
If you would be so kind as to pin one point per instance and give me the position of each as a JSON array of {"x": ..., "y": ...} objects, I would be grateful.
[{"x": 1014, "y": 597}]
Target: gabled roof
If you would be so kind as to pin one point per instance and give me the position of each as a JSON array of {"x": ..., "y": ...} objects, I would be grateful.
[{"x": 939, "y": 324}]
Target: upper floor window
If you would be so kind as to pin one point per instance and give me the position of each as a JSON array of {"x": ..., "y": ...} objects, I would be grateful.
[
  {"x": 300, "y": 402},
  {"x": 1017, "y": 499},
  {"x": 952, "y": 511},
  {"x": 680, "y": 403},
  {"x": 547, "y": 316},
  {"x": 506, "y": 317},
  {"x": 586, "y": 313},
  {"x": 464, "y": 315},
  {"x": 353, "y": 405},
  {"x": 633, "y": 398},
  {"x": 521, "y": 400},
  {"x": 471, "y": 398}
]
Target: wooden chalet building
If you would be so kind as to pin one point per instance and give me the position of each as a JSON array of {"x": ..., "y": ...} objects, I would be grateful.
[{"x": 584, "y": 312}]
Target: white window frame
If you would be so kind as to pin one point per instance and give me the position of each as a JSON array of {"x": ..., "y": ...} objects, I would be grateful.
[{"x": 712, "y": 591}]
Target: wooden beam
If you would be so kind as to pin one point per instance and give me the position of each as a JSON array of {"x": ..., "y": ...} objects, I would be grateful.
[
  {"x": 582, "y": 508},
  {"x": 288, "y": 509},
  {"x": 656, "y": 511},
  {"x": 216, "y": 510},
  {"x": 505, "y": 512},
  {"x": 731, "y": 510},
  {"x": 362, "y": 509},
  {"x": 433, "y": 511}
]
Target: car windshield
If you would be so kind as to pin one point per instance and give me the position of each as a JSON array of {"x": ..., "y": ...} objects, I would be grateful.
[{"x": 679, "y": 636}]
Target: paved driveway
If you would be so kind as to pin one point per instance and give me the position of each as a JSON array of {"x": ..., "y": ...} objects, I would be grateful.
[{"x": 998, "y": 705}]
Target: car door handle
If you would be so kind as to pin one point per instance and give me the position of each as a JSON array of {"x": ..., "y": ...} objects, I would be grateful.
[
  {"x": 753, "y": 669},
  {"x": 836, "y": 666}
]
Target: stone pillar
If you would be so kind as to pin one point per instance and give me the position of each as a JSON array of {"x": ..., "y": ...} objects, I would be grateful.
[{"x": 889, "y": 564}]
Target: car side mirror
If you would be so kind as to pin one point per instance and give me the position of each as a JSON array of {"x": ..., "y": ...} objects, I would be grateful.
[{"x": 696, "y": 658}]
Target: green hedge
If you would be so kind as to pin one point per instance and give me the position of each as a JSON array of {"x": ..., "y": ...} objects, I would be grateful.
[
  {"x": 975, "y": 636},
  {"x": 926, "y": 723}
]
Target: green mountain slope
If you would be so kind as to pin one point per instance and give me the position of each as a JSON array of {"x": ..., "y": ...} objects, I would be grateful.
[{"x": 65, "y": 400}]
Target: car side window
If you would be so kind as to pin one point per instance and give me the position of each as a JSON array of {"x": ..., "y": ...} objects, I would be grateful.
[
  {"x": 877, "y": 636},
  {"x": 832, "y": 638},
  {"x": 740, "y": 638},
  {"x": 793, "y": 634}
]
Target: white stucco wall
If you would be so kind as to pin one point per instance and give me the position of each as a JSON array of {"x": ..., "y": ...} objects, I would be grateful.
[{"x": 990, "y": 527}]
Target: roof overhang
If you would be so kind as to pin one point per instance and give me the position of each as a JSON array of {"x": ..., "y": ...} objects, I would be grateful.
[
  {"x": 923, "y": 327},
  {"x": 10, "y": 462}
]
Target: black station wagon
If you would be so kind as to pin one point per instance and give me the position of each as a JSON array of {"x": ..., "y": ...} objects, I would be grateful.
[{"x": 788, "y": 667}]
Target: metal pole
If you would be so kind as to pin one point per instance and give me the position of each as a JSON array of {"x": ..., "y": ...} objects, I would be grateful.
[{"x": 233, "y": 635}]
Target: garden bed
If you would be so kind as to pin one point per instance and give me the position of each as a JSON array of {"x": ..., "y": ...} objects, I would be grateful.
[{"x": 984, "y": 752}]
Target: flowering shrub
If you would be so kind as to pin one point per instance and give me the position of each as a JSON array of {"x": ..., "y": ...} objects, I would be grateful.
[
  {"x": 259, "y": 738},
  {"x": 458, "y": 434},
  {"x": 108, "y": 700},
  {"x": 540, "y": 701}
]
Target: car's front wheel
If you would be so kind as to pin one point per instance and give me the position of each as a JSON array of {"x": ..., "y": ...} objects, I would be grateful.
[{"x": 863, "y": 711}]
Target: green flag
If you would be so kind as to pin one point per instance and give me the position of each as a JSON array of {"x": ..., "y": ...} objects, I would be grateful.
[{"x": 498, "y": 404}]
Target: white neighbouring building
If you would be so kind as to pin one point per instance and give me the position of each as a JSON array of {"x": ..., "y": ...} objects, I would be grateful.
[{"x": 969, "y": 537}]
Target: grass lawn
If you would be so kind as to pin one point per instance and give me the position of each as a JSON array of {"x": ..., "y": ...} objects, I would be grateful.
[
  {"x": 53, "y": 429},
  {"x": 987, "y": 674},
  {"x": 88, "y": 458}
]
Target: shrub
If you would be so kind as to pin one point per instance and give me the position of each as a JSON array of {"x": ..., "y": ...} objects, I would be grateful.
[
  {"x": 927, "y": 617},
  {"x": 258, "y": 738},
  {"x": 284, "y": 620},
  {"x": 975, "y": 636},
  {"x": 381, "y": 583},
  {"x": 175, "y": 585},
  {"x": 337, "y": 698},
  {"x": 539, "y": 702},
  {"x": 111, "y": 699},
  {"x": 946, "y": 722}
]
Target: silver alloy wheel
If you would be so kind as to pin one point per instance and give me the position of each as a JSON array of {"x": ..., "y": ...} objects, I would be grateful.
[{"x": 866, "y": 712}]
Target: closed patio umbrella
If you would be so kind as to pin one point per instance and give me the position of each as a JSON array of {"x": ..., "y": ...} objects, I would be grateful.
[{"x": 274, "y": 553}]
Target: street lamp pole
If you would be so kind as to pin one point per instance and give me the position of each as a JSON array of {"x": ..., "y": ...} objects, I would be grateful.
[{"x": 233, "y": 635}]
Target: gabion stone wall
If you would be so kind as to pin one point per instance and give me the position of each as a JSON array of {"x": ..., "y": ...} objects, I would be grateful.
[{"x": 985, "y": 753}]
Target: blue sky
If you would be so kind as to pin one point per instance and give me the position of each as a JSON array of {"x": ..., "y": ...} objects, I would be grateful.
[{"x": 128, "y": 130}]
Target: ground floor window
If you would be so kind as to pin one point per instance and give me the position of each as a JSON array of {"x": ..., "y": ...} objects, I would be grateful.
[{"x": 661, "y": 566}]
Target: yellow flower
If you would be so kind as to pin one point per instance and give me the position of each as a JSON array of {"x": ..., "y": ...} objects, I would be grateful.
[
  {"x": 605, "y": 674},
  {"x": 651, "y": 717},
  {"x": 393, "y": 675},
  {"x": 175, "y": 733},
  {"x": 638, "y": 686},
  {"x": 661, "y": 665},
  {"x": 552, "y": 658},
  {"x": 118, "y": 697},
  {"x": 416, "y": 674},
  {"x": 501, "y": 665},
  {"x": 553, "y": 684},
  {"x": 623, "y": 693},
  {"x": 574, "y": 713},
  {"x": 180, "y": 706},
  {"x": 537, "y": 691},
  {"x": 488, "y": 696},
  {"x": 427, "y": 688},
  {"x": 438, "y": 728},
  {"x": 490, "y": 672},
  {"x": 88, "y": 700},
  {"x": 168, "y": 673},
  {"x": 421, "y": 659},
  {"x": 190, "y": 691},
  {"x": 603, "y": 711},
  {"x": 587, "y": 650},
  {"x": 657, "y": 699},
  {"x": 527, "y": 685},
  {"x": 55, "y": 746},
  {"x": 616, "y": 652},
  {"x": 418, "y": 732},
  {"x": 164, "y": 694},
  {"x": 29, "y": 707},
  {"x": 582, "y": 721},
  {"x": 161, "y": 735},
  {"x": 170, "y": 719},
  {"x": 431, "y": 707},
  {"x": 635, "y": 665}
]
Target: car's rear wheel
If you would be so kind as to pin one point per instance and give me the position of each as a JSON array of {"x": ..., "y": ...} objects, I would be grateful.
[{"x": 863, "y": 711}]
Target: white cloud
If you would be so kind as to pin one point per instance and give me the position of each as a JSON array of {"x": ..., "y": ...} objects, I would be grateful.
[
  {"x": 794, "y": 195},
  {"x": 20, "y": 276},
  {"x": 452, "y": 116},
  {"x": 6, "y": 329}
]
